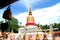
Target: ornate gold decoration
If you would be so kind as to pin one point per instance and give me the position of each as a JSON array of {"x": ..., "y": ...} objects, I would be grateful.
[
  {"x": 37, "y": 36},
  {"x": 30, "y": 37},
  {"x": 45, "y": 37},
  {"x": 22, "y": 37}
]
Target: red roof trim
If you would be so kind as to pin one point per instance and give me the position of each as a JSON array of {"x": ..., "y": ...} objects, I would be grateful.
[{"x": 30, "y": 24}]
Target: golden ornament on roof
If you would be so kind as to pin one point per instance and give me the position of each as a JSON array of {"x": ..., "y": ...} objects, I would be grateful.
[
  {"x": 22, "y": 37},
  {"x": 30, "y": 37},
  {"x": 37, "y": 36}
]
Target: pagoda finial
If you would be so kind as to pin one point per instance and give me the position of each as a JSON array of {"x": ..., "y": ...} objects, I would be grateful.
[{"x": 30, "y": 10}]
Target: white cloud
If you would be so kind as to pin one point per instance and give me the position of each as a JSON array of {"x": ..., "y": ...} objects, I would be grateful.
[
  {"x": 1, "y": 13},
  {"x": 42, "y": 16}
]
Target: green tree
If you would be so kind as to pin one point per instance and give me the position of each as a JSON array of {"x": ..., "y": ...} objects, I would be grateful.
[
  {"x": 13, "y": 24},
  {"x": 55, "y": 25},
  {"x": 45, "y": 26},
  {"x": 38, "y": 25},
  {"x": 0, "y": 24}
]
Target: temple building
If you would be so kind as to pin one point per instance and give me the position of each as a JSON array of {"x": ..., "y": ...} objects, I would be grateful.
[{"x": 30, "y": 31}]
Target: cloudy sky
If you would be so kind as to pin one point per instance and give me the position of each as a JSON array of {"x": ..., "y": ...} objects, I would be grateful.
[{"x": 44, "y": 11}]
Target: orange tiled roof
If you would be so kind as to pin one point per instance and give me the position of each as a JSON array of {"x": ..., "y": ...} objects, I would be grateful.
[{"x": 56, "y": 32}]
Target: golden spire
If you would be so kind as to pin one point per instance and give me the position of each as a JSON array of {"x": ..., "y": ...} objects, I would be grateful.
[
  {"x": 30, "y": 18},
  {"x": 30, "y": 11}
]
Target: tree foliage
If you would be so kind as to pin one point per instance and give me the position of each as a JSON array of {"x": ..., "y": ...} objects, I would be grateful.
[
  {"x": 0, "y": 24},
  {"x": 55, "y": 25},
  {"x": 13, "y": 25}
]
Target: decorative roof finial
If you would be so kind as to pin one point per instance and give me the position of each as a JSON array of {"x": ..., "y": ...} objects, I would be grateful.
[{"x": 30, "y": 10}]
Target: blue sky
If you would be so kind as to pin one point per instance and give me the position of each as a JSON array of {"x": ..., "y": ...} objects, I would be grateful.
[
  {"x": 39, "y": 4},
  {"x": 42, "y": 10}
]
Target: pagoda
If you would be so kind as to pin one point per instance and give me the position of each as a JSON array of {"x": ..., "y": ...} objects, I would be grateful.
[
  {"x": 30, "y": 19},
  {"x": 30, "y": 22},
  {"x": 30, "y": 30}
]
